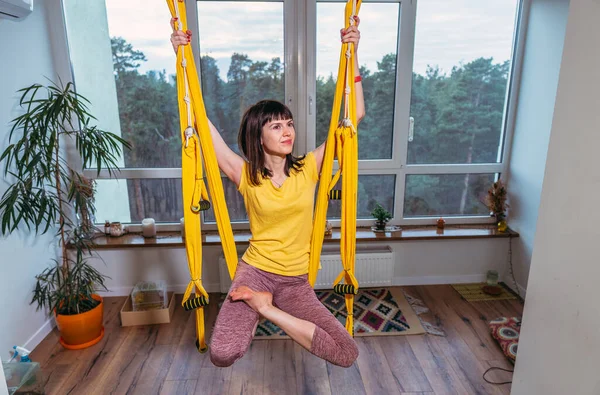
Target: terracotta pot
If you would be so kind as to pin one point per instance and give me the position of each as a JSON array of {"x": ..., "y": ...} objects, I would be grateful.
[{"x": 81, "y": 330}]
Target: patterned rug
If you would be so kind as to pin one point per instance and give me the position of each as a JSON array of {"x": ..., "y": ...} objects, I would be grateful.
[
  {"x": 506, "y": 331},
  {"x": 474, "y": 292},
  {"x": 377, "y": 312}
]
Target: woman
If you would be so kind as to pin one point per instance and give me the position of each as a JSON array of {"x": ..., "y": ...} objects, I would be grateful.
[{"x": 278, "y": 190}]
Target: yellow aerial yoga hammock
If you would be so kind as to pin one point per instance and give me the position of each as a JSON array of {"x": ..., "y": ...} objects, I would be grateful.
[
  {"x": 195, "y": 135},
  {"x": 342, "y": 139},
  {"x": 197, "y": 146}
]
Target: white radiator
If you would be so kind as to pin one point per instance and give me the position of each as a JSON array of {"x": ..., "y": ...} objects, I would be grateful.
[{"x": 373, "y": 268}]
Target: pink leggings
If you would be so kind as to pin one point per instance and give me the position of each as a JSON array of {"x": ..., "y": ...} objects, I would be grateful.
[{"x": 236, "y": 321}]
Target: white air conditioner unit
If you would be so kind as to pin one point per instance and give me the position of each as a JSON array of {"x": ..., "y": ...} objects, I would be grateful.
[{"x": 15, "y": 9}]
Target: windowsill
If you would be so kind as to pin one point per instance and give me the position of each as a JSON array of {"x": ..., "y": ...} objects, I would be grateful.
[{"x": 211, "y": 238}]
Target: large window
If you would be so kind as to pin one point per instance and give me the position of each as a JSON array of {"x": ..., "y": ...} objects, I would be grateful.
[
  {"x": 435, "y": 77},
  {"x": 461, "y": 68}
]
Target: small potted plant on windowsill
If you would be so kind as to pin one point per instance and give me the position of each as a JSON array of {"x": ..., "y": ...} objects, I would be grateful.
[
  {"x": 495, "y": 200},
  {"x": 46, "y": 191},
  {"x": 382, "y": 217}
]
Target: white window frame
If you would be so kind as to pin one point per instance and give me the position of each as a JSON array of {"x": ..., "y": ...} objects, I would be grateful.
[
  {"x": 508, "y": 121},
  {"x": 397, "y": 165},
  {"x": 290, "y": 7},
  {"x": 404, "y": 48},
  {"x": 300, "y": 96}
]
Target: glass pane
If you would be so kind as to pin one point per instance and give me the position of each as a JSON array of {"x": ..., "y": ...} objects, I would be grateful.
[
  {"x": 377, "y": 60},
  {"x": 460, "y": 75},
  {"x": 241, "y": 44},
  {"x": 130, "y": 201},
  {"x": 235, "y": 204},
  {"x": 144, "y": 69},
  {"x": 372, "y": 189},
  {"x": 430, "y": 195},
  {"x": 160, "y": 199}
]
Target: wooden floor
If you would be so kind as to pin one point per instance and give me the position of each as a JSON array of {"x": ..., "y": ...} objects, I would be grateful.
[{"x": 162, "y": 359}]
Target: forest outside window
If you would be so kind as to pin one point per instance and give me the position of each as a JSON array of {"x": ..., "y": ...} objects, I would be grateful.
[
  {"x": 377, "y": 54},
  {"x": 462, "y": 66},
  {"x": 450, "y": 81}
]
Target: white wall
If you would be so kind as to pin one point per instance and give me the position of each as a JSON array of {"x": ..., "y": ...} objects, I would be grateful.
[
  {"x": 26, "y": 59},
  {"x": 559, "y": 349},
  {"x": 539, "y": 79},
  {"x": 417, "y": 262},
  {"x": 3, "y": 386}
]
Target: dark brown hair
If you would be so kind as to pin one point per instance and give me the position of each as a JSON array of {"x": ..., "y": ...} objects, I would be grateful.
[{"x": 249, "y": 136}]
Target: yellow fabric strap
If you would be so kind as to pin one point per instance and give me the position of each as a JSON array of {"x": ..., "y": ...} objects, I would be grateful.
[
  {"x": 197, "y": 147},
  {"x": 342, "y": 141}
]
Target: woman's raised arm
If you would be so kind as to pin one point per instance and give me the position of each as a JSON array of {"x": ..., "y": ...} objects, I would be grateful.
[{"x": 349, "y": 35}]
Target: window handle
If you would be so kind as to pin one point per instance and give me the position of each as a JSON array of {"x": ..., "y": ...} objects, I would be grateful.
[
  {"x": 411, "y": 129},
  {"x": 310, "y": 105}
]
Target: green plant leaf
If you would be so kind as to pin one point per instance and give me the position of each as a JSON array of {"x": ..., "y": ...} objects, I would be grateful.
[{"x": 44, "y": 189}]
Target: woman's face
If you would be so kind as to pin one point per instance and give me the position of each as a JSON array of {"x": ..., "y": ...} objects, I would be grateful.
[{"x": 278, "y": 136}]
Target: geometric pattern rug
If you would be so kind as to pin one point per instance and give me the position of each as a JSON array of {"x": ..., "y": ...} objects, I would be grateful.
[
  {"x": 377, "y": 312},
  {"x": 474, "y": 292}
]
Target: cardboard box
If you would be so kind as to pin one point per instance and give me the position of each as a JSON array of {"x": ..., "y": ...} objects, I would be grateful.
[{"x": 149, "y": 317}]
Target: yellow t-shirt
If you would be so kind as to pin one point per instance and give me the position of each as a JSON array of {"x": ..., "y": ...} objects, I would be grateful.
[{"x": 281, "y": 220}]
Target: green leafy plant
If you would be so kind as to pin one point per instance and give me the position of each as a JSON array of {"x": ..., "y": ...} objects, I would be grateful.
[
  {"x": 46, "y": 191},
  {"x": 381, "y": 215},
  {"x": 495, "y": 200}
]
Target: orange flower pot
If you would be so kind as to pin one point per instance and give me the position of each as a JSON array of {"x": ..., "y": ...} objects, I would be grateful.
[{"x": 81, "y": 330}]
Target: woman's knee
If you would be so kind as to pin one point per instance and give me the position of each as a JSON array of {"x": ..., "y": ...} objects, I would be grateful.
[
  {"x": 339, "y": 349},
  {"x": 224, "y": 355},
  {"x": 349, "y": 354}
]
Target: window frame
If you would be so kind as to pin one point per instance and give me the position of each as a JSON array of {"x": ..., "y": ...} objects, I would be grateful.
[
  {"x": 505, "y": 141},
  {"x": 392, "y": 166},
  {"x": 299, "y": 18}
]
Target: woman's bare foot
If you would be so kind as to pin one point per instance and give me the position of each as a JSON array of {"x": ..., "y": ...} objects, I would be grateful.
[
  {"x": 299, "y": 330},
  {"x": 258, "y": 301}
]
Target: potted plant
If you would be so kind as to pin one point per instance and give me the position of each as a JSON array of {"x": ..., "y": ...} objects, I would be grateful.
[
  {"x": 382, "y": 217},
  {"x": 495, "y": 201},
  {"x": 48, "y": 192}
]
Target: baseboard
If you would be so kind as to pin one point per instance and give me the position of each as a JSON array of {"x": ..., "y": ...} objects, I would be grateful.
[
  {"x": 40, "y": 335},
  {"x": 433, "y": 280},
  {"x": 522, "y": 290},
  {"x": 47, "y": 326},
  {"x": 396, "y": 281},
  {"x": 177, "y": 288}
]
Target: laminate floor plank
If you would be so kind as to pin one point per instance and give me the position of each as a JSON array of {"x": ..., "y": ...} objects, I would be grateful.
[
  {"x": 178, "y": 387},
  {"x": 403, "y": 364},
  {"x": 248, "y": 373},
  {"x": 374, "y": 368},
  {"x": 311, "y": 373}
]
